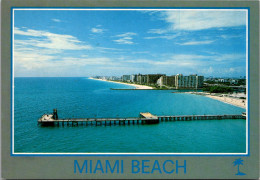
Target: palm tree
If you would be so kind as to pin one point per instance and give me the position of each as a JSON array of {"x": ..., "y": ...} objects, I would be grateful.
[{"x": 237, "y": 163}]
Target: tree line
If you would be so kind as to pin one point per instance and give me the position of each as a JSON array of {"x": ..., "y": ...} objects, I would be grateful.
[{"x": 218, "y": 89}]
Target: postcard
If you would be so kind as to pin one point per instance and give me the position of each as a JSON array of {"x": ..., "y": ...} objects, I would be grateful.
[{"x": 123, "y": 90}]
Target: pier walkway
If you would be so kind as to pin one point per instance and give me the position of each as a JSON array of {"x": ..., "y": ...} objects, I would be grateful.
[
  {"x": 145, "y": 118},
  {"x": 148, "y": 115}
]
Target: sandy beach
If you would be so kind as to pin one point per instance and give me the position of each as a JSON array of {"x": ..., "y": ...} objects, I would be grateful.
[
  {"x": 136, "y": 86},
  {"x": 232, "y": 99}
]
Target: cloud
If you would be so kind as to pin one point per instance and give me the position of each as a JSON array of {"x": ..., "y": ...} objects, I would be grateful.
[
  {"x": 183, "y": 60},
  {"x": 49, "y": 40},
  {"x": 230, "y": 57},
  {"x": 110, "y": 50},
  {"x": 157, "y": 31},
  {"x": 195, "y": 43},
  {"x": 30, "y": 60},
  {"x": 125, "y": 38},
  {"x": 204, "y": 19},
  {"x": 56, "y": 20},
  {"x": 147, "y": 61},
  {"x": 64, "y": 42},
  {"x": 35, "y": 49},
  {"x": 126, "y": 34},
  {"x": 191, "y": 60},
  {"x": 42, "y": 51},
  {"x": 141, "y": 52},
  {"x": 207, "y": 70},
  {"x": 106, "y": 48},
  {"x": 70, "y": 61},
  {"x": 168, "y": 36},
  {"x": 176, "y": 60},
  {"x": 28, "y": 32},
  {"x": 231, "y": 36},
  {"x": 97, "y": 30},
  {"x": 192, "y": 63}
]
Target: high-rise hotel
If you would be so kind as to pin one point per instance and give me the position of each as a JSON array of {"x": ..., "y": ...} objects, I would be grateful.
[{"x": 192, "y": 81}]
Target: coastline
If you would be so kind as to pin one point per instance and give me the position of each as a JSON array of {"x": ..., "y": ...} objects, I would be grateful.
[
  {"x": 223, "y": 98},
  {"x": 137, "y": 86},
  {"x": 220, "y": 97}
]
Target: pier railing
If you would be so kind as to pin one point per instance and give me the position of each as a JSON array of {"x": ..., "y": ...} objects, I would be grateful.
[{"x": 200, "y": 117}]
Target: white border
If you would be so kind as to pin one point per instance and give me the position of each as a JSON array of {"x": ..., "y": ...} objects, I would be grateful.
[
  {"x": 125, "y": 9},
  {"x": 247, "y": 87}
]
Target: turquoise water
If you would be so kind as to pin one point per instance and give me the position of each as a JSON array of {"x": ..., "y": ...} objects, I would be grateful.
[{"x": 82, "y": 97}]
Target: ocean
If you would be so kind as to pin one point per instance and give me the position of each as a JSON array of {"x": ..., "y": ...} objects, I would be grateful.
[{"x": 82, "y": 97}]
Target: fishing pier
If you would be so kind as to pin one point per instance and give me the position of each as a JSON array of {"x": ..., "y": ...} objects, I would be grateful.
[{"x": 145, "y": 118}]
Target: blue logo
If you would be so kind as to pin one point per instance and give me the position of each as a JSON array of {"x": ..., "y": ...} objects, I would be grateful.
[{"x": 237, "y": 163}]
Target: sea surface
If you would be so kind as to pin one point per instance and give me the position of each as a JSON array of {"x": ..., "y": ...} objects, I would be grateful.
[{"x": 83, "y": 97}]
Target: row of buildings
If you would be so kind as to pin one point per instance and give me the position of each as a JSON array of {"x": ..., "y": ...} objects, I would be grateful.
[{"x": 178, "y": 81}]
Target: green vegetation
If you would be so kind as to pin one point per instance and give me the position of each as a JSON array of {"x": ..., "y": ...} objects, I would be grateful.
[
  {"x": 241, "y": 82},
  {"x": 163, "y": 88},
  {"x": 206, "y": 88},
  {"x": 218, "y": 89}
]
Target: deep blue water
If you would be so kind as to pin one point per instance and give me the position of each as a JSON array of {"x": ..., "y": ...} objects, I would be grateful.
[{"x": 82, "y": 97}]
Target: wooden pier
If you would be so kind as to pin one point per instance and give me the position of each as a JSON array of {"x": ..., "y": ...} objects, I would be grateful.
[{"x": 145, "y": 118}]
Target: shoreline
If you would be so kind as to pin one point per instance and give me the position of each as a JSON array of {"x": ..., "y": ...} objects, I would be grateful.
[
  {"x": 220, "y": 97},
  {"x": 137, "y": 86},
  {"x": 223, "y": 98}
]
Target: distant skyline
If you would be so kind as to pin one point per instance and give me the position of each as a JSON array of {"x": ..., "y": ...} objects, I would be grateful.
[{"x": 83, "y": 43}]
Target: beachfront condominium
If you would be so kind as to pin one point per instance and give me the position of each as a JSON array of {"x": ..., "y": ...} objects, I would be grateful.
[
  {"x": 147, "y": 79},
  {"x": 168, "y": 81},
  {"x": 126, "y": 78},
  {"x": 192, "y": 81}
]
